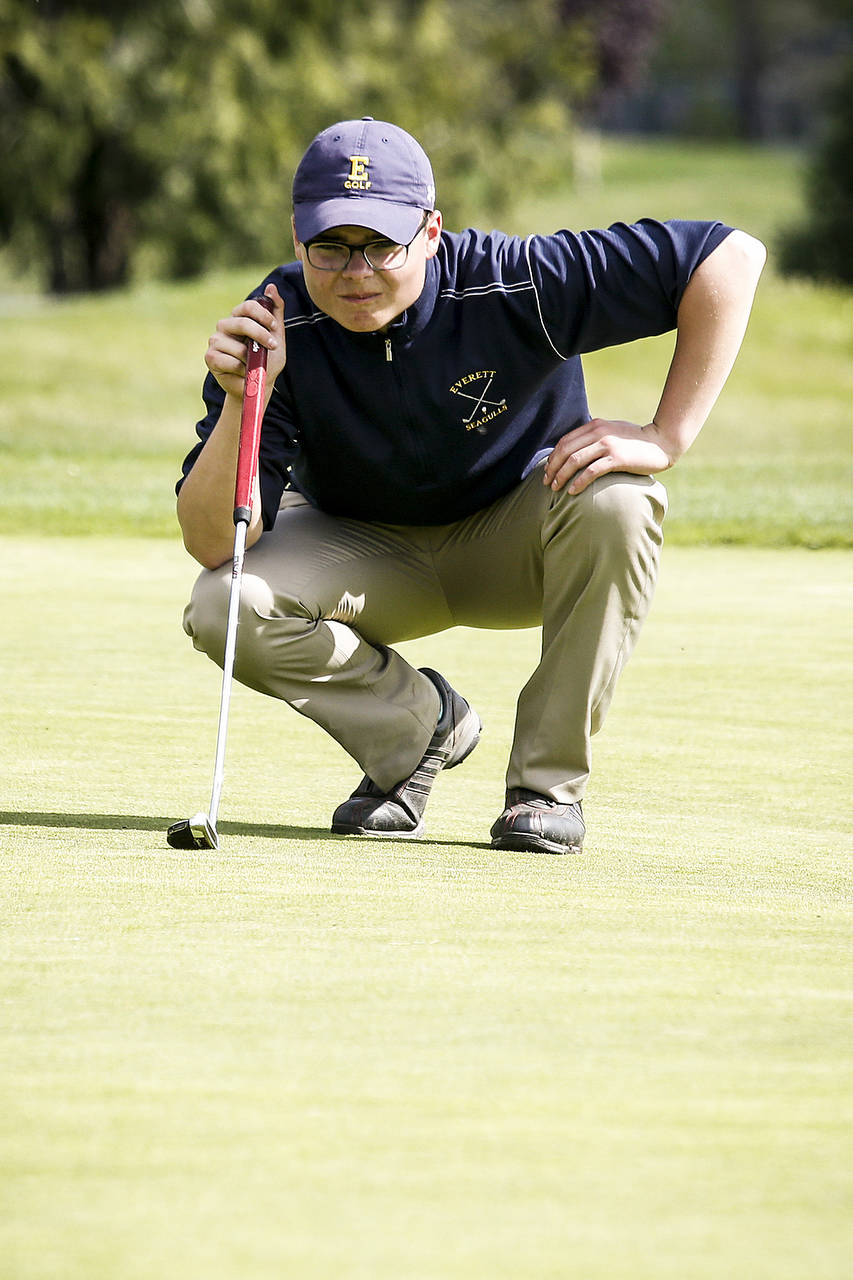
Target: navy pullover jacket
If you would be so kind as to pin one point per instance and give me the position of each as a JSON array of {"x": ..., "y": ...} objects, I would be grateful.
[{"x": 444, "y": 413}]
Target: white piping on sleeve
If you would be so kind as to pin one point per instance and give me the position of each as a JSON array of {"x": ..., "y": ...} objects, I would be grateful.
[{"x": 538, "y": 303}]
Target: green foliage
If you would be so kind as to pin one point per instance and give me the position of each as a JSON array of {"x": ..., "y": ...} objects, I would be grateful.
[
  {"x": 163, "y": 139},
  {"x": 823, "y": 246},
  {"x": 122, "y": 131},
  {"x": 68, "y": 175},
  {"x": 485, "y": 86}
]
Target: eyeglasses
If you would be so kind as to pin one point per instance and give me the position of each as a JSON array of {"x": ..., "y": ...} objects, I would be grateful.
[{"x": 380, "y": 255}]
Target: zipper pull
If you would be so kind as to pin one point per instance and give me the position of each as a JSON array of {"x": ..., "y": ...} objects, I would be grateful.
[{"x": 389, "y": 354}]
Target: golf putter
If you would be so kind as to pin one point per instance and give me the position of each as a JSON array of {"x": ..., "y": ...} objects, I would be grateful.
[{"x": 199, "y": 832}]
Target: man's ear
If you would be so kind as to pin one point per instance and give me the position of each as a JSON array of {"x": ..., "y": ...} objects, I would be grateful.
[
  {"x": 297, "y": 243},
  {"x": 433, "y": 233}
]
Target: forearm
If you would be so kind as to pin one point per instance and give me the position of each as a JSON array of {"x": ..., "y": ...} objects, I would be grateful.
[
  {"x": 206, "y": 498},
  {"x": 712, "y": 320}
]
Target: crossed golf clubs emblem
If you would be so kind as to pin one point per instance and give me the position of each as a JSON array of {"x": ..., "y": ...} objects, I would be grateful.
[{"x": 480, "y": 402}]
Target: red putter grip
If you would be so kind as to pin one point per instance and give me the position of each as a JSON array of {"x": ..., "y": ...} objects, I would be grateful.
[{"x": 250, "y": 425}]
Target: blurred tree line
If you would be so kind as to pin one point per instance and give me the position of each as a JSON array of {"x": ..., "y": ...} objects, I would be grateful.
[
  {"x": 162, "y": 134},
  {"x": 751, "y": 69},
  {"x": 170, "y": 128},
  {"x": 823, "y": 246},
  {"x": 760, "y": 70}
]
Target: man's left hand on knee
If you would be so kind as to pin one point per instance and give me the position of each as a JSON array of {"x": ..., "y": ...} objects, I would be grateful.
[{"x": 604, "y": 445}]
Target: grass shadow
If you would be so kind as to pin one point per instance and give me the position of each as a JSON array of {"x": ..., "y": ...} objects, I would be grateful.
[{"x": 138, "y": 822}]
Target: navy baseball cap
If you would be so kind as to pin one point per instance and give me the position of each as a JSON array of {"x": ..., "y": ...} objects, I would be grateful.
[{"x": 363, "y": 173}]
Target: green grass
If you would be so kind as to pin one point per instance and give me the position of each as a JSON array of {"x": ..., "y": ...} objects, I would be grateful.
[
  {"x": 309, "y": 1057},
  {"x": 306, "y": 1056},
  {"x": 98, "y": 405},
  {"x": 757, "y": 188}
]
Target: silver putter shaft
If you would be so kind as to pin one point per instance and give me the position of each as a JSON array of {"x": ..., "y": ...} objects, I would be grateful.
[{"x": 199, "y": 832}]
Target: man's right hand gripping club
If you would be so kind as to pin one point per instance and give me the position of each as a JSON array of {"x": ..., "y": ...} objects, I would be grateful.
[{"x": 206, "y": 499}]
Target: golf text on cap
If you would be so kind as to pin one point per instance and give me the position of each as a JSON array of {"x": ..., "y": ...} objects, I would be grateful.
[{"x": 359, "y": 177}]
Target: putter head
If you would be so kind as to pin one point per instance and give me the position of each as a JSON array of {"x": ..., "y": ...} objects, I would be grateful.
[{"x": 193, "y": 833}]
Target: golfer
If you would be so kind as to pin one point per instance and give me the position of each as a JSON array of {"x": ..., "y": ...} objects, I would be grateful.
[{"x": 428, "y": 459}]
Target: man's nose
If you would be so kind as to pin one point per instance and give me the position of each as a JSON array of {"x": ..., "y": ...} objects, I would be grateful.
[{"x": 358, "y": 265}]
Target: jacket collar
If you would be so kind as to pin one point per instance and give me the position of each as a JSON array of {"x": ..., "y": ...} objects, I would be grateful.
[{"x": 418, "y": 315}]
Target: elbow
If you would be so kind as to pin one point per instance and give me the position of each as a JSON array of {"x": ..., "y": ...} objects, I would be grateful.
[
  {"x": 215, "y": 549},
  {"x": 207, "y": 559},
  {"x": 202, "y": 542},
  {"x": 209, "y": 554}
]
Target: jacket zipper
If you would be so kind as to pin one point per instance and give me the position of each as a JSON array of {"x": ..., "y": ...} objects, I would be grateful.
[{"x": 417, "y": 450}]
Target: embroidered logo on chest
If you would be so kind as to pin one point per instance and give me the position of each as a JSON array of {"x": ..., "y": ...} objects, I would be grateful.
[{"x": 479, "y": 403}]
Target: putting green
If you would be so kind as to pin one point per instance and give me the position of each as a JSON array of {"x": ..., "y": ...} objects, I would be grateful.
[{"x": 312, "y": 1057}]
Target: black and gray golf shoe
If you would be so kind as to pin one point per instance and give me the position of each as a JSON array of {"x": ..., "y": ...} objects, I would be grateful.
[
  {"x": 400, "y": 812},
  {"x": 537, "y": 824}
]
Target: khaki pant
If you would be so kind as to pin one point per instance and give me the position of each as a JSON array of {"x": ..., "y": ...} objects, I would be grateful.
[{"x": 324, "y": 597}]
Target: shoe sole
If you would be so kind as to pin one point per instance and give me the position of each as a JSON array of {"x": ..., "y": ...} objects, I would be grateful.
[
  {"x": 534, "y": 844},
  {"x": 341, "y": 829}
]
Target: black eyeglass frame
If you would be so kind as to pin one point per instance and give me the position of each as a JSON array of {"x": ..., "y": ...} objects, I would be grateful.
[{"x": 364, "y": 248}]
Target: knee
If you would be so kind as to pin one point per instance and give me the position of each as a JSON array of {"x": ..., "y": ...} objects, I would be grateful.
[
  {"x": 277, "y": 636},
  {"x": 206, "y": 615},
  {"x": 624, "y": 510}
]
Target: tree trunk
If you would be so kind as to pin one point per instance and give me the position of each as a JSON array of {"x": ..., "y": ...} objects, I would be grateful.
[{"x": 750, "y": 66}]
